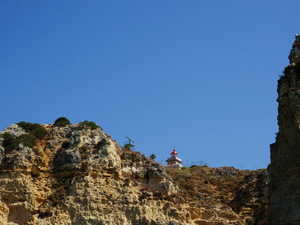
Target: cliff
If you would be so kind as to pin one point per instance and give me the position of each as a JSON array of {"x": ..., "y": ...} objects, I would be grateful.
[
  {"x": 285, "y": 152},
  {"x": 76, "y": 174}
]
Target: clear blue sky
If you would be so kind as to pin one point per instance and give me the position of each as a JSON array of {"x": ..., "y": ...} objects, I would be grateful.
[{"x": 198, "y": 75}]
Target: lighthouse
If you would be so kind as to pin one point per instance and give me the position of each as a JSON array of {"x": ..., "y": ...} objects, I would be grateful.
[{"x": 174, "y": 161}]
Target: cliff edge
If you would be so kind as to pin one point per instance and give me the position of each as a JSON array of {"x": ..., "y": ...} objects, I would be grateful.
[
  {"x": 76, "y": 174},
  {"x": 285, "y": 152}
]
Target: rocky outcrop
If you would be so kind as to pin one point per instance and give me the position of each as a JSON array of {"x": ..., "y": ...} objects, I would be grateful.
[
  {"x": 77, "y": 174},
  {"x": 242, "y": 191},
  {"x": 285, "y": 152},
  {"x": 251, "y": 197}
]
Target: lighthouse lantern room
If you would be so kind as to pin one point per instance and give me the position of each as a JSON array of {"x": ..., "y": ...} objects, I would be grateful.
[{"x": 174, "y": 161}]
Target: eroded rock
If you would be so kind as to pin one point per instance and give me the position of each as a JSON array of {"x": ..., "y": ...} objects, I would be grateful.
[
  {"x": 79, "y": 175},
  {"x": 285, "y": 152}
]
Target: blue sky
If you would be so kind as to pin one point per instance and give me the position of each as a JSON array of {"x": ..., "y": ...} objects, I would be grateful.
[{"x": 198, "y": 75}]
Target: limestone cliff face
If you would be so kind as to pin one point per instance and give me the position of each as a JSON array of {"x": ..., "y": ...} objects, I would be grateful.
[
  {"x": 78, "y": 175},
  {"x": 285, "y": 152}
]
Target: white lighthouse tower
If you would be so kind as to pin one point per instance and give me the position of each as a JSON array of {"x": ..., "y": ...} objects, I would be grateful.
[{"x": 174, "y": 161}]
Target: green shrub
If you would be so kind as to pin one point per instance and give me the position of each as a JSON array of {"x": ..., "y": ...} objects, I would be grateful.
[
  {"x": 127, "y": 146},
  {"x": 88, "y": 124},
  {"x": 11, "y": 143},
  {"x": 35, "y": 129},
  {"x": 152, "y": 156},
  {"x": 183, "y": 174},
  {"x": 39, "y": 132},
  {"x": 193, "y": 166},
  {"x": 8, "y": 139},
  {"x": 28, "y": 126},
  {"x": 61, "y": 122},
  {"x": 26, "y": 139}
]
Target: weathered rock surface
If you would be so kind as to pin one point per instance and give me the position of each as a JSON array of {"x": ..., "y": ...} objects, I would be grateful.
[
  {"x": 244, "y": 191},
  {"x": 79, "y": 175},
  {"x": 14, "y": 129},
  {"x": 285, "y": 152},
  {"x": 251, "y": 197}
]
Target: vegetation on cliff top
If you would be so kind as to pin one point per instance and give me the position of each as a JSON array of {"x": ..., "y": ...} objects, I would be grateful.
[
  {"x": 199, "y": 186},
  {"x": 35, "y": 129},
  {"x": 11, "y": 142},
  {"x": 61, "y": 122},
  {"x": 87, "y": 124},
  {"x": 202, "y": 182},
  {"x": 34, "y": 132},
  {"x": 206, "y": 186}
]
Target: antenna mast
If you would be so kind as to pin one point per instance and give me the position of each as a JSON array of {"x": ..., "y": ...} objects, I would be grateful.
[{"x": 130, "y": 142}]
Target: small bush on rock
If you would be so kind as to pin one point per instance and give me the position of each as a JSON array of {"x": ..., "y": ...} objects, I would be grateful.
[
  {"x": 193, "y": 166},
  {"x": 8, "y": 139},
  {"x": 35, "y": 129},
  {"x": 11, "y": 143},
  {"x": 152, "y": 156},
  {"x": 26, "y": 139},
  {"x": 127, "y": 146},
  {"x": 61, "y": 122},
  {"x": 88, "y": 124}
]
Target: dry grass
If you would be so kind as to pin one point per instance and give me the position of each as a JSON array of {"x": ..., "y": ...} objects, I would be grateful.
[{"x": 207, "y": 185}]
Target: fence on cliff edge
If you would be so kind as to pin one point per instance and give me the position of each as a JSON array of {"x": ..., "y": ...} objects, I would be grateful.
[{"x": 196, "y": 163}]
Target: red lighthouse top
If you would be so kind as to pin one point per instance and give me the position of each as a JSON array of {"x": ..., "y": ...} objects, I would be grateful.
[
  {"x": 174, "y": 161},
  {"x": 174, "y": 152}
]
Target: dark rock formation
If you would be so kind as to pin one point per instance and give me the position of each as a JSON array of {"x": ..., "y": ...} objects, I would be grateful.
[
  {"x": 285, "y": 152},
  {"x": 65, "y": 160}
]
